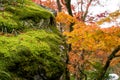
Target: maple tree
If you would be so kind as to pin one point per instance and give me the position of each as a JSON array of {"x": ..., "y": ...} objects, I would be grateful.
[{"x": 90, "y": 44}]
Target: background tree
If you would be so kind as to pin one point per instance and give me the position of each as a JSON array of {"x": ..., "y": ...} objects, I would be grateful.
[{"x": 90, "y": 45}]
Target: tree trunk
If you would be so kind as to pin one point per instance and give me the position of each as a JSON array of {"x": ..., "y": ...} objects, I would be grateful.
[
  {"x": 67, "y": 73},
  {"x": 68, "y": 6},
  {"x": 59, "y": 6}
]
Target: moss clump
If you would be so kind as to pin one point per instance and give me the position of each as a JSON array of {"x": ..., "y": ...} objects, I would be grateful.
[
  {"x": 16, "y": 15},
  {"x": 31, "y": 54}
]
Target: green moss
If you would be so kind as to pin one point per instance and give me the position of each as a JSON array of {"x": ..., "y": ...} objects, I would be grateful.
[
  {"x": 28, "y": 12},
  {"x": 16, "y": 15},
  {"x": 36, "y": 49},
  {"x": 7, "y": 24},
  {"x": 24, "y": 54}
]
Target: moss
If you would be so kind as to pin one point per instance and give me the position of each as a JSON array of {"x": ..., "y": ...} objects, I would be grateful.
[
  {"x": 25, "y": 53},
  {"x": 28, "y": 12},
  {"x": 36, "y": 49},
  {"x": 15, "y": 15},
  {"x": 7, "y": 24}
]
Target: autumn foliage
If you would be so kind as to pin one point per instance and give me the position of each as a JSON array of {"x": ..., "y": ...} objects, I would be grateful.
[
  {"x": 90, "y": 43},
  {"x": 97, "y": 43},
  {"x": 48, "y": 3}
]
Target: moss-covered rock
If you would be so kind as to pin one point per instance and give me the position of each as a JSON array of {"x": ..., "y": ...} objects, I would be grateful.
[
  {"x": 34, "y": 53},
  {"x": 19, "y": 15},
  {"x": 30, "y": 54}
]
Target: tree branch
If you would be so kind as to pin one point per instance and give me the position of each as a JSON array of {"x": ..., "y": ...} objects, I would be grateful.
[
  {"x": 86, "y": 12},
  {"x": 81, "y": 8},
  {"x": 59, "y": 6},
  {"x": 68, "y": 6},
  {"x": 112, "y": 55},
  {"x": 117, "y": 55}
]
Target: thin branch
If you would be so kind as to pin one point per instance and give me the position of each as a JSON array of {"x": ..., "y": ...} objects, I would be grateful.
[
  {"x": 81, "y": 8},
  {"x": 117, "y": 55},
  {"x": 86, "y": 12}
]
